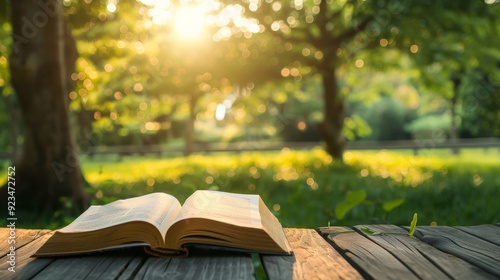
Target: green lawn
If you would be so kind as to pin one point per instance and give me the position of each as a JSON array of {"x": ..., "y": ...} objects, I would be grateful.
[{"x": 304, "y": 188}]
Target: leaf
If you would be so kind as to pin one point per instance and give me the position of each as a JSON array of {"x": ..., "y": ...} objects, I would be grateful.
[
  {"x": 413, "y": 225},
  {"x": 353, "y": 199},
  {"x": 368, "y": 231},
  {"x": 388, "y": 206}
]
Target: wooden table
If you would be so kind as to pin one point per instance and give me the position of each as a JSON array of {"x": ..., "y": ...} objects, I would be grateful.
[{"x": 328, "y": 253}]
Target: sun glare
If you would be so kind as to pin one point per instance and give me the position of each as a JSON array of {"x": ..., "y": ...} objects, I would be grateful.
[
  {"x": 190, "y": 18},
  {"x": 189, "y": 21}
]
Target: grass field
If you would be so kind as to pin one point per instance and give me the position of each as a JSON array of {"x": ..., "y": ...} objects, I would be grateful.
[{"x": 309, "y": 189}]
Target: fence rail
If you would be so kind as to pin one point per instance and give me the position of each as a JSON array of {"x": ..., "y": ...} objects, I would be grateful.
[{"x": 415, "y": 145}]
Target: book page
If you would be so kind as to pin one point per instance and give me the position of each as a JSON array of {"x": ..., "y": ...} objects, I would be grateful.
[
  {"x": 273, "y": 227},
  {"x": 158, "y": 209},
  {"x": 237, "y": 209}
]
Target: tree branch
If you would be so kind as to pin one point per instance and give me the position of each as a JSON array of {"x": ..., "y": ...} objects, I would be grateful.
[{"x": 353, "y": 31}]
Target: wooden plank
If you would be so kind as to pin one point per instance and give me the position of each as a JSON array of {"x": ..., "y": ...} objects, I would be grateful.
[
  {"x": 371, "y": 260},
  {"x": 209, "y": 265},
  {"x": 472, "y": 249},
  {"x": 4, "y": 237},
  {"x": 490, "y": 233},
  {"x": 100, "y": 266},
  {"x": 132, "y": 268},
  {"x": 22, "y": 237},
  {"x": 313, "y": 258},
  {"x": 26, "y": 266},
  {"x": 405, "y": 250},
  {"x": 464, "y": 253},
  {"x": 278, "y": 267},
  {"x": 424, "y": 260},
  {"x": 111, "y": 266}
]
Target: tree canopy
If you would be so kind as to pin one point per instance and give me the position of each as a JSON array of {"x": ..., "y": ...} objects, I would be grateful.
[{"x": 145, "y": 72}]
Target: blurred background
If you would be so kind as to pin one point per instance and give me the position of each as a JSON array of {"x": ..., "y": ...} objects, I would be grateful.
[{"x": 333, "y": 111}]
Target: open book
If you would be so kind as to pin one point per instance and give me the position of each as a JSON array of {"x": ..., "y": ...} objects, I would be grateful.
[{"x": 159, "y": 222}]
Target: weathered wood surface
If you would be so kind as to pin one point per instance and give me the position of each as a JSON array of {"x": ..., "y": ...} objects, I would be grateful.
[
  {"x": 472, "y": 248},
  {"x": 226, "y": 266},
  {"x": 132, "y": 263},
  {"x": 487, "y": 232},
  {"x": 313, "y": 259},
  {"x": 433, "y": 253},
  {"x": 372, "y": 260},
  {"x": 21, "y": 238},
  {"x": 344, "y": 253}
]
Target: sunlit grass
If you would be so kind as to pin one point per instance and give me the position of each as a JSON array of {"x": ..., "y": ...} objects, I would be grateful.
[{"x": 303, "y": 187}]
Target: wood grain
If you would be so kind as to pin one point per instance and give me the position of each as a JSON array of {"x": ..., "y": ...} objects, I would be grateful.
[
  {"x": 313, "y": 258},
  {"x": 424, "y": 260},
  {"x": 95, "y": 267},
  {"x": 371, "y": 260},
  {"x": 132, "y": 268},
  {"x": 490, "y": 233},
  {"x": 470, "y": 248},
  {"x": 22, "y": 237},
  {"x": 226, "y": 266},
  {"x": 26, "y": 266},
  {"x": 471, "y": 252}
]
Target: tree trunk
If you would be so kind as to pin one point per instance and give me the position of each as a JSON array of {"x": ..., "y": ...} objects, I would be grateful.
[
  {"x": 13, "y": 114},
  {"x": 189, "y": 133},
  {"x": 42, "y": 59},
  {"x": 333, "y": 122},
  {"x": 457, "y": 79}
]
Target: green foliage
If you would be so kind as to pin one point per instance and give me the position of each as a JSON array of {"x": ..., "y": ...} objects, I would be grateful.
[
  {"x": 132, "y": 72},
  {"x": 368, "y": 231},
  {"x": 357, "y": 198},
  {"x": 481, "y": 100},
  {"x": 430, "y": 122},
  {"x": 430, "y": 127},
  {"x": 387, "y": 118},
  {"x": 388, "y": 206},
  {"x": 355, "y": 127},
  {"x": 352, "y": 199},
  {"x": 413, "y": 224},
  {"x": 303, "y": 187},
  {"x": 5, "y": 12},
  {"x": 9, "y": 115}
]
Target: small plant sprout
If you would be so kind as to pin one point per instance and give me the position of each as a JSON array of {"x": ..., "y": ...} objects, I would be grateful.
[
  {"x": 368, "y": 231},
  {"x": 413, "y": 224},
  {"x": 332, "y": 233}
]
